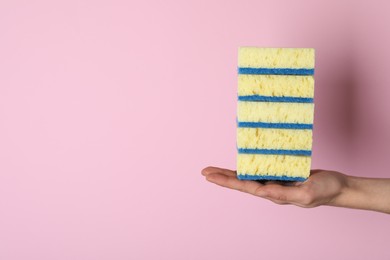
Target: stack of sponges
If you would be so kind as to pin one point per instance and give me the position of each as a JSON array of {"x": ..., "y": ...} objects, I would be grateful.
[{"x": 275, "y": 113}]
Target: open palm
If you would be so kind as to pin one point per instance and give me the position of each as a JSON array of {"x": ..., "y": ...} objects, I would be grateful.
[{"x": 321, "y": 188}]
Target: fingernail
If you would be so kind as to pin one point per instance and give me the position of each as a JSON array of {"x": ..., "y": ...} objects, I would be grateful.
[{"x": 204, "y": 173}]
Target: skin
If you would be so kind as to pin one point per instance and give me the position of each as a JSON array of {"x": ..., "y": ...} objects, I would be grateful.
[{"x": 321, "y": 188}]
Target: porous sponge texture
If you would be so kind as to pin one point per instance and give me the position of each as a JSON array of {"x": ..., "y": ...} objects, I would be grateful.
[
  {"x": 268, "y": 138},
  {"x": 254, "y": 141},
  {"x": 273, "y": 165},
  {"x": 253, "y": 57},
  {"x": 276, "y": 85},
  {"x": 275, "y": 112}
]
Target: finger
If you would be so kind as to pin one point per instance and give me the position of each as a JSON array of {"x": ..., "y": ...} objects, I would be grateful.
[
  {"x": 232, "y": 182},
  {"x": 211, "y": 169},
  {"x": 279, "y": 202},
  {"x": 288, "y": 194}
]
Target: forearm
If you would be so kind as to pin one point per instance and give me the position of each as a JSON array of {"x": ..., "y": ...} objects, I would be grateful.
[{"x": 364, "y": 193}]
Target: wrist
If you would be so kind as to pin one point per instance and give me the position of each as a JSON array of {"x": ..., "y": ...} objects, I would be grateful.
[
  {"x": 363, "y": 193},
  {"x": 348, "y": 187}
]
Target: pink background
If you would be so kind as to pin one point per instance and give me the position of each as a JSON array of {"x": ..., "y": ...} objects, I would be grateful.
[{"x": 110, "y": 109}]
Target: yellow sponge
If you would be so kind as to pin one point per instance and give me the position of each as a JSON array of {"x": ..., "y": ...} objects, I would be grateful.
[
  {"x": 295, "y": 167},
  {"x": 276, "y": 85},
  {"x": 271, "y": 138},
  {"x": 254, "y": 57},
  {"x": 275, "y": 113}
]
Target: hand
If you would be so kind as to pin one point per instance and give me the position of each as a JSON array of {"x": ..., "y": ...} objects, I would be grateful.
[{"x": 321, "y": 188}]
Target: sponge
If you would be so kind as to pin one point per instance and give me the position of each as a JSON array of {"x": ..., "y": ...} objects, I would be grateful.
[{"x": 275, "y": 112}]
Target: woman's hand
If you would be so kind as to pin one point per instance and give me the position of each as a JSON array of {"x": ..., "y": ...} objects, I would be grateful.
[{"x": 321, "y": 188}]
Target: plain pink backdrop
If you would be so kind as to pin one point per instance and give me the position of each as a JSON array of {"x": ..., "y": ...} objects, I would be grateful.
[{"x": 110, "y": 109}]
